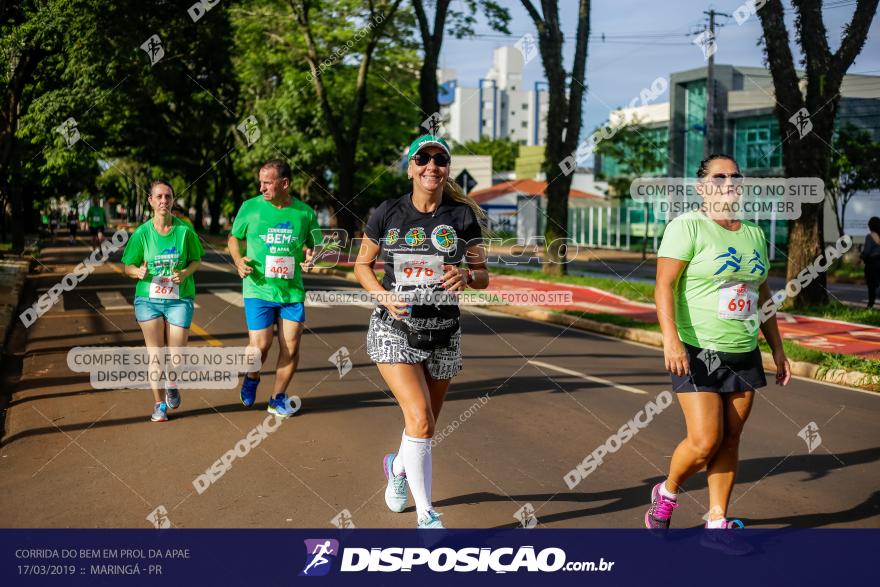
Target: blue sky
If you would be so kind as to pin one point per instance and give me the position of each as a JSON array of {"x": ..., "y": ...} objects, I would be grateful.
[{"x": 644, "y": 39}]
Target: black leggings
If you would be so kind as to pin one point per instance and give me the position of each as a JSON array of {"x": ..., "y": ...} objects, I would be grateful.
[{"x": 872, "y": 278}]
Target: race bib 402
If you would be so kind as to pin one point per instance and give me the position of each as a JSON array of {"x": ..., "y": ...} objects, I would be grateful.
[{"x": 279, "y": 267}]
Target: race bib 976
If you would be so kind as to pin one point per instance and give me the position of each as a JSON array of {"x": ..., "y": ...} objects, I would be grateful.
[{"x": 417, "y": 269}]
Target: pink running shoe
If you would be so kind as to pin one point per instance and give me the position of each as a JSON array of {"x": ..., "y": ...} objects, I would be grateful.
[{"x": 658, "y": 515}]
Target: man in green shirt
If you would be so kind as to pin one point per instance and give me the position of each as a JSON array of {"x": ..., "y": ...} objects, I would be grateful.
[
  {"x": 97, "y": 218},
  {"x": 280, "y": 233}
]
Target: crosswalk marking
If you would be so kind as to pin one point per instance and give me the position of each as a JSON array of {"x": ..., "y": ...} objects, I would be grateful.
[
  {"x": 112, "y": 300},
  {"x": 226, "y": 268},
  {"x": 229, "y": 296}
]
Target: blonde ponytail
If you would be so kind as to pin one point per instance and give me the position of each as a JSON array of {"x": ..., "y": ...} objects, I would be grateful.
[{"x": 454, "y": 192}]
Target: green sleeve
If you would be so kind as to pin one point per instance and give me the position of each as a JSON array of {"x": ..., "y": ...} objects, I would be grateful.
[
  {"x": 678, "y": 240},
  {"x": 194, "y": 250},
  {"x": 240, "y": 224},
  {"x": 315, "y": 236},
  {"x": 134, "y": 250}
]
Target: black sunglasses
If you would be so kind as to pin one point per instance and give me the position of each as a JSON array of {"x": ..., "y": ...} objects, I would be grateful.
[
  {"x": 440, "y": 159},
  {"x": 718, "y": 179}
]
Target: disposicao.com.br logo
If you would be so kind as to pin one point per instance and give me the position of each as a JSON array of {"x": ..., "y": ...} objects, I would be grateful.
[{"x": 441, "y": 560}]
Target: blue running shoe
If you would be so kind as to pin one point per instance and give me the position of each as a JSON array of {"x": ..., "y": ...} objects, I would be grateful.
[
  {"x": 431, "y": 519},
  {"x": 249, "y": 390},
  {"x": 172, "y": 396},
  {"x": 396, "y": 492},
  {"x": 280, "y": 405},
  {"x": 160, "y": 413}
]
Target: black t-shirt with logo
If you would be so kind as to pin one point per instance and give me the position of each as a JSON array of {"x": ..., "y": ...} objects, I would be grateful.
[{"x": 414, "y": 244}]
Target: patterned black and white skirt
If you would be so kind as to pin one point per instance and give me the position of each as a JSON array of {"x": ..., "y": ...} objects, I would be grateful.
[{"x": 387, "y": 345}]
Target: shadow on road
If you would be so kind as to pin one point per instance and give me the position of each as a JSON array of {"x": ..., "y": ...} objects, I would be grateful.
[{"x": 815, "y": 466}]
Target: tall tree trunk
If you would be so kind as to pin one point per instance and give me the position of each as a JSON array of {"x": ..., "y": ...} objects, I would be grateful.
[
  {"x": 345, "y": 138},
  {"x": 234, "y": 184},
  {"x": 200, "y": 204},
  {"x": 215, "y": 203},
  {"x": 428, "y": 86},
  {"x": 3, "y": 215},
  {"x": 17, "y": 202},
  {"x": 563, "y": 121},
  {"x": 346, "y": 218},
  {"x": 807, "y": 152},
  {"x": 22, "y": 71},
  {"x": 432, "y": 41}
]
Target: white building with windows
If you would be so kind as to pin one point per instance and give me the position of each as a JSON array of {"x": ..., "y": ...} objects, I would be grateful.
[{"x": 499, "y": 107}]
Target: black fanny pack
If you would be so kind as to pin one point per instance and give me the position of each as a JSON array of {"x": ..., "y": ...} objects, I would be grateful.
[{"x": 426, "y": 339}]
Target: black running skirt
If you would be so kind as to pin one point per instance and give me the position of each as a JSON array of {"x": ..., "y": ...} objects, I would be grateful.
[{"x": 721, "y": 372}]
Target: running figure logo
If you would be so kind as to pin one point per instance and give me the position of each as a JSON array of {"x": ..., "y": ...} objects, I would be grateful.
[
  {"x": 250, "y": 129},
  {"x": 801, "y": 121},
  {"x": 757, "y": 264},
  {"x": 415, "y": 236},
  {"x": 731, "y": 260},
  {"x": 526, "y": 516},
  {"x": 320, "y": 554},
  {"x": 391, "y": 236},
  {"x": 153, "y": 48},
  {"x": 169, "y": 251},
  {"x": 69, "y": 131},
  {"x": 444, "y": 238},
  {"x": 711, "y": 359},
  {"x": 342, "y": 359},
  {"x": 159, "y": 518},
  {"x": 810, "y": 434},
  {"x": 343, "y": 520}
]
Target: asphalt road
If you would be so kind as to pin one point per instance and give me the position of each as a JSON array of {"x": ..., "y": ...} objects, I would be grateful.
[{"x": 73, "y": 456}]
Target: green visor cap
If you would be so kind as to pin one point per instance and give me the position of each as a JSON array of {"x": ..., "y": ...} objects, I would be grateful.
[{"x": 427, "y": 141}]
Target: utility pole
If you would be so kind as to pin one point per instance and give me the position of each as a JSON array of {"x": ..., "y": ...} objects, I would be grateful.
[{"x": 710, "y": 85}]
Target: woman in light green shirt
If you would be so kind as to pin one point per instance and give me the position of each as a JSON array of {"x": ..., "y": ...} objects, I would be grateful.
[
  {"x": 162, "y": 254},
  {"x": 711, "y": 279}
]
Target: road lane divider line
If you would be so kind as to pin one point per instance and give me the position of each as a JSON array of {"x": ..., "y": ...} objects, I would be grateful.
[
  {"x": 204, "y": 334},
  {"x": 599, "y": 380}
]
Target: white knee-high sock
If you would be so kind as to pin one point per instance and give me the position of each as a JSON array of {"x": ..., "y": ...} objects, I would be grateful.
[
  {"x": 416, "y": 453},
  {"x": 397, "y": 464}
]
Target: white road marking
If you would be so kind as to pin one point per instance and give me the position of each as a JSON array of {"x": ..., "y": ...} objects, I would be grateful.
[
  {"x": 229, "y": 296},
  {"x": 112, "y": 300},
  {"x": 225, "y": 268},
  {"x": 860, "y": 333},
  {"x": 588, "y": 333},
  {"x": 598, "y": 380}
]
